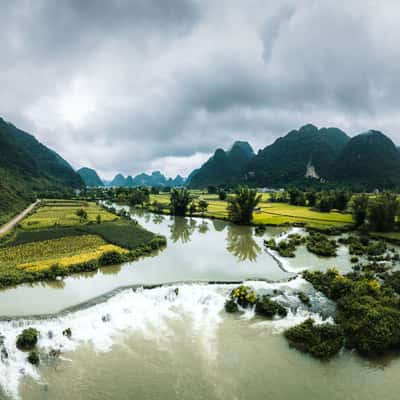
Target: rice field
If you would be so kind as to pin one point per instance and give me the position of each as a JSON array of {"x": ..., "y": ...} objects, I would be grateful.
[
  {"x": 272, "y": 213},
  {"x": 53, "y": 213}
]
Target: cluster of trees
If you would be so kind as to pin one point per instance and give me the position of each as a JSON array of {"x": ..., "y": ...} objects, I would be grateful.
[
  {"x": 379, "y": 212},
  {"x": 323, "y": 201},
  {"x": 367, "y": 309},
  {"x": 183, "y": 203}
]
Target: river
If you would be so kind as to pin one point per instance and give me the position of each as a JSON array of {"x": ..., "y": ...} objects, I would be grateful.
[{"x": 129, "y": 342}]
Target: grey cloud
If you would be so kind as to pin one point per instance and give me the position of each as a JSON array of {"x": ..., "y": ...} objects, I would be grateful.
[{"x": 122, "y": 85}]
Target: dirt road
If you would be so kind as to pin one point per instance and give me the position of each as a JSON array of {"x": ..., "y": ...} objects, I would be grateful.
[{"x": 9, "y": 225}]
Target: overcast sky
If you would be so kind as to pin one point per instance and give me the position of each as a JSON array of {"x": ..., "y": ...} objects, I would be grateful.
[{"x": 136, "y": 85}]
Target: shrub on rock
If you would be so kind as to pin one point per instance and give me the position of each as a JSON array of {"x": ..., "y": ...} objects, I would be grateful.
[
  {"x": 231, "y": 306},
  {"x": 269, "y": 308},
  {"x": 27, "y": 339},
  {"x": 244, "y": 296},
  {"x": 33, "y": 357}
]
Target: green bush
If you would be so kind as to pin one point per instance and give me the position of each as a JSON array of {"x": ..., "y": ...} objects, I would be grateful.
[
  {"x": 27, "y": 339},
  {"x": 110, "y": 258},
  {"x": 269, "y": 308},
  {"x": 320, "y": 341},
  {"x": 321, "y": 245},
  {"x": 33, "y": 357},
  {"x": 231, "y": 306},
  {"x": 244, "y": 296},
  {"x": 304, "y": 299}
]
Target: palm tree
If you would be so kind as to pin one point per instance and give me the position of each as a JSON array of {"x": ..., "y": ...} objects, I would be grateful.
[
  {"x": 241, "y": 207},
  {"x": 179, "y": 201}
]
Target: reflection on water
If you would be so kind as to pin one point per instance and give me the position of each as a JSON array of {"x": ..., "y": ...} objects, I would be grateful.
[
  {"x": 219, "y": 225},
  {"x": 241, "y": 243},
  {"x": 158, "y": 219},
  {"x": 203, "y": 227},
  {"x": 182, "y": 229}
]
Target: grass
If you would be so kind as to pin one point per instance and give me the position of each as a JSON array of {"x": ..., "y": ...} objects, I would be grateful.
[
  {"x": 63, "y": 213},
  {"x": 52, "y": 242},
  {"x": 272, "y": 213},
  {"x": 390, "y": 236}
]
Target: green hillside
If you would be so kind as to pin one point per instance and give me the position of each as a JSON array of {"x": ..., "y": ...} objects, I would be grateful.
[
  {"x": 223, "y": 167},
  {"x": 370, "y": 160},
  {"x": 90, "y": 177},
  {"x": 289, "y": 158},
  {"x": 28, "y": 167}
]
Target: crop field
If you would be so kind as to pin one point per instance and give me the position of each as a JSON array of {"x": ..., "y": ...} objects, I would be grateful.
[
  {"x": 272, "y": 213},
  {"x": 53, "y": 239},
  {"x": 63, "y": 213},
  {"x": 121, "y": 233},
  {"x": 84, "y": 256}
]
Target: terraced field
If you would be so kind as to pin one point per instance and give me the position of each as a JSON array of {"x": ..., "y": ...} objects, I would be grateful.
[{"x": 54, "y": 241}]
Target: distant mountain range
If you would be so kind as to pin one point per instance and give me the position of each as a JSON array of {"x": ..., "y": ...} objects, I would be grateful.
[
  {"x": 306, "y": 156},
  {"x": 27, "y": 166},
  {"x": 155, "y": 179}
]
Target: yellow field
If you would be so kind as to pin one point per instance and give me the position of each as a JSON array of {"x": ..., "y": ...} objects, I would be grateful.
[
  {"x": 47, "y": 249},
  {"x": 63, "y": 213},
  {"x": 65, "y": 262},
  {"x": 271, "y": 213}
]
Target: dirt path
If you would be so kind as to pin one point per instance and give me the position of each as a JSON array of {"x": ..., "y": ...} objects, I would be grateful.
[{"x": 9, "y": 225}]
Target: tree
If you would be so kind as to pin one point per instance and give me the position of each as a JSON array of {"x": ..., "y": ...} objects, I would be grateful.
[
  {"x": 296, "y": 197},
  {"x": 179, "y": 201},
  {"x": 138, "y": 196},
  {"x": 359, "y": 208},
  {"x": 82, "y": 214},
  {"x": 325, "y": 202},
  {"x": 241, "y": 206},
  {"x": 311, "y": 198},
  {"x": 222, "y": 195},
  {"x": 341, "y": 199},
  {"x": 203, "y": 206},
  {"x": 382, "y": 211}
]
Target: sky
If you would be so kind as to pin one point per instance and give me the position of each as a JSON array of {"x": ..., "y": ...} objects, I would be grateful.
[{"x": 140, "y": 85}]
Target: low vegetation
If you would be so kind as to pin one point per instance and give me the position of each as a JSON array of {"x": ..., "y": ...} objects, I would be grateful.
[
  {"x": 28, "y": 255},
  {"x": 244, "y": 297},
  {"x": 321, "y": 245},
  {"x": 368, "y": 310},
  {"x": 322, "y": 341},
  {"x": 27, "y": 339},
  {"x": 286, "y": 248}
]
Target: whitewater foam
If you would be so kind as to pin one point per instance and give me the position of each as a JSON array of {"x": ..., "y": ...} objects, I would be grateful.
[{"x": 148, "y": 312}]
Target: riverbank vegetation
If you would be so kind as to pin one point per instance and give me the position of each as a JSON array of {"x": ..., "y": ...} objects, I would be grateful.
[
  {"x": 368, "y": 309},
  {"x": 55, "y": 241}
]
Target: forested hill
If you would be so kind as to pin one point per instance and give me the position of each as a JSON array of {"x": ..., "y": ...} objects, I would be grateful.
[
  {"x": 90, "y": 177},
  {"x": 224, "y": 167},
  {"x": 27, "y": 166},
  {"x": 309, "y": 156},
  {"x": 308, "y": 151}
]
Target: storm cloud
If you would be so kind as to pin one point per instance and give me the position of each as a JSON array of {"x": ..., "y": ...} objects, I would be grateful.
[{"x": 137, "y": 85}]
